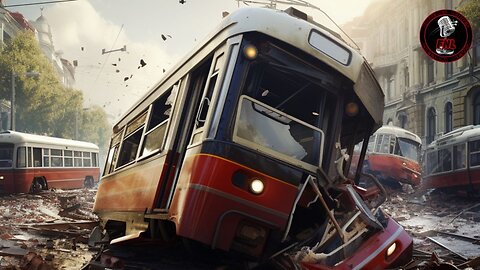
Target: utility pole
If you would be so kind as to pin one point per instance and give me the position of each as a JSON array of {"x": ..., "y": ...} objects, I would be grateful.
[
  {"x": 124, "y": 49},
  {"x": 12, "y": 104}
]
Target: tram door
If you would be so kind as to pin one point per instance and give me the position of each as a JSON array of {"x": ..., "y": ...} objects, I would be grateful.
[{"x": 194, "y": 104}]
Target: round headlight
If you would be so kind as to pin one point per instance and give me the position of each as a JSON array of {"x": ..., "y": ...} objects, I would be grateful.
[
  {"x": 391, "y": 249},
  {"x": 250, "y": 52},
  {"x": 257, "y": 186}
]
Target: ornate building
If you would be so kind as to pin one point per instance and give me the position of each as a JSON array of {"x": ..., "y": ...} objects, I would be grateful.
[
  {"x": 65, "y": 70},
  {"x": 426, "y": 97},
  {"x": 13, "y": 22}
]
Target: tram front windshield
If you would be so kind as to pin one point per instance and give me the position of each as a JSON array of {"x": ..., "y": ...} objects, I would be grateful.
[
  {"x": 6, "y": 155},
  {"x": 408, "y": 148},
  {"x": 285, "y": 108}
]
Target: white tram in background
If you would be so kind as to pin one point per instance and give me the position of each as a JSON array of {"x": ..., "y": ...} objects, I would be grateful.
[{"x": 453, "y": 160}]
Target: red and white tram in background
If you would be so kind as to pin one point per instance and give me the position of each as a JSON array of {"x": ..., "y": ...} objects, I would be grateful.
[
  {"x": 393, "y": 155},
  {"x": 30, "y": 163},
  {"x": 239, "y": 148},
  {"x": 453, "y": 160}
]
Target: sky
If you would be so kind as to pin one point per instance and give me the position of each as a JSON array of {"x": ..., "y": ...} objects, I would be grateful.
[{"x": 116, "y": 80}]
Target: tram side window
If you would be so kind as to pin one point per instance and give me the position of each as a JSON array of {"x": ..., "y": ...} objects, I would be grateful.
[
  {"x": 112, "y": 157},
  {"x": 378, "y": 143},
  {"x": 445, "y": 157},
  {"x": 56, "y": 158},
  {"x": 459, "y": 160},
  {"x": 77, "y": 159},
  {"x": 68, "y": 158},
  {"x": 157, "y": 126},
  {"x": 385, "y": 145},
  {"x": 94, "y": 160},
  {"x": 131, "y": 142},
  {"x": 37, "y": 157},
  {"x": 474, "y": 152},
  {"x": 86, "y": 159},
  {"x": 29, "y": 157},
  {"x": 46, "y": 157},
  {"x": 207, "y": 99},
  {"x": 21, "y": 157},
  {"x": 371, "y": 143},
  {"x": 432, "y": 162}
]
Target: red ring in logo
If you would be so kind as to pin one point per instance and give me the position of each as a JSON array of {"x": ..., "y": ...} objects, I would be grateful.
[{"x": 446, "y": 35}]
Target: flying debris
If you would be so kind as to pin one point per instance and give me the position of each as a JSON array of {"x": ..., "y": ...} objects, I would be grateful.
[
  {"x": 142, "y": 63},
  {"x": 82, "y": 48},
  {"x": 164, "y": 37},
  {"x": 126, "y": 79},
  {"x": 117, "y": 71},
  {"x": 182, "y": 1},
  {"x": 163, "y": 70},
  {"x": 114, "y": 64},
  {"x": 119, "y": 59}
]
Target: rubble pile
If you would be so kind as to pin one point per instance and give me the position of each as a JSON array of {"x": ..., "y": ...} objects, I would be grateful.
[
  {"x": 444, "y": 227},
  {"x": 45, "y": 231}
]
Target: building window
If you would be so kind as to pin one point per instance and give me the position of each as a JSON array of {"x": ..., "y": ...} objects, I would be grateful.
[
  {"x": 402, "y": 119},
  {"x": 448, "y": 117},
  {"x": 476, "y": 109},
  {"x": 391, "y": 87},
  {"x": 407, "y": 77},
  {"x": 448, "y": 70},
  {"x": 431, "y": 127},
  {"x": 476, "y": 49},
  {"x": 430, "y": 71}
]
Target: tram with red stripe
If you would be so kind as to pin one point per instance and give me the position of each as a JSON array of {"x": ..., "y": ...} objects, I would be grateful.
[
  {"x": 453, "y": 161},
  {"x": 393, "y": 156},
  {"x": 31, "y": 163},
  {"x": 242, "y": 148}
]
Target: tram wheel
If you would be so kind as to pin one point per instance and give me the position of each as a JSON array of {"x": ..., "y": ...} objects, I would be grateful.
[
  {"x": 38, "y": 185},
  {"x": 88, "y": 183}
]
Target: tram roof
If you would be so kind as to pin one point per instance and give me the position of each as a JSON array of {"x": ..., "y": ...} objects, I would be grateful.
[
  {"x": 16, "y": 137},
  {"x": 459, "y": 135},
  {"x": 291, "y": 30},
  {"x": 399, "y": 132}
]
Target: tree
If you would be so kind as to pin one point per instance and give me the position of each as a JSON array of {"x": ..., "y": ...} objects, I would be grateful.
[
  {"x": 471, "y": 10},
  {"x": 43, "y": 105},
  {"x": 38, "y": 100},
  {"x": 95, "y": 128}
]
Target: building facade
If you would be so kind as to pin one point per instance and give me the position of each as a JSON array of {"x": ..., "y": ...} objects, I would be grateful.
[
  {"x": 426, "y": 97},
  {"x": 12, "y": 23}
]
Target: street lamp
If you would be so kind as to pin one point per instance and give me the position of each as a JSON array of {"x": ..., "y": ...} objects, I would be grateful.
[{"x": 12, "y": 101}]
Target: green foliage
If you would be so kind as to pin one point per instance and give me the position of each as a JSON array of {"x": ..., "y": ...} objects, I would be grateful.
[
  {"x": 471, "y": 10},
  {"x": 43, "y": 104}
]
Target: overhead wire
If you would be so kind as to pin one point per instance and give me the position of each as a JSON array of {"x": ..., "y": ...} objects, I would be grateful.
[{"x": 38, "y": 3}]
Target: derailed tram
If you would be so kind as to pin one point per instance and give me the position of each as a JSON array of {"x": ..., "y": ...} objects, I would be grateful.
[{"x": 243, "y": 147}]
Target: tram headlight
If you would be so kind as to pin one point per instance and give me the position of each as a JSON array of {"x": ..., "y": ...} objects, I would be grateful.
[
  {"x": 250, "y": 52},
  {"x": 351, "y": 109},
  {"x": 256, "y": 186},
  {"x": 391, "y": 249},
  {"x": 1, "y": 177}
]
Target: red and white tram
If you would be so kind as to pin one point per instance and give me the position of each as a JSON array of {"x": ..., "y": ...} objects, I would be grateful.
[
  {"x": 393, "y": 155},
  {"x": 239, "y": 148},
  {"x": 453, "y": 160},
  {"x": 30, "y": 163}
]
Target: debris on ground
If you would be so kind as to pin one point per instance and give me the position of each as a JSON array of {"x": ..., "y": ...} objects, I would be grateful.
[{"x": 46, "y": 231}]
